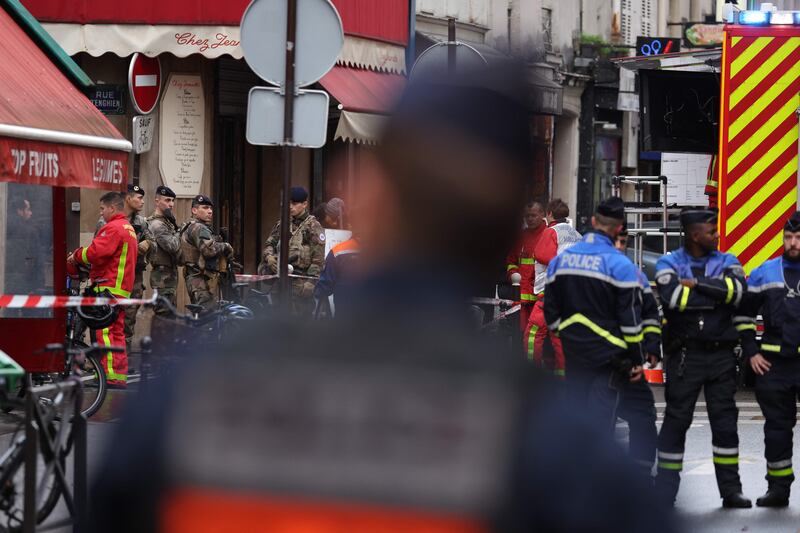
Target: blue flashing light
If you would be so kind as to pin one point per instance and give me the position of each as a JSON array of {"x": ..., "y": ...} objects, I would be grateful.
[{"x": 754, "y": 18}]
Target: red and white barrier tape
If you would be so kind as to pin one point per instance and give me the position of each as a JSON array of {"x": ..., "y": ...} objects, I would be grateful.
[
  {"x": 491, "y": 301},
  {"x": 30, "y": 301}
]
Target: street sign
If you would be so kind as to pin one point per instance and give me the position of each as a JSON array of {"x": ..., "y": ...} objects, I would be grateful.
[
  {"x": 437, "y": 58},
  {"x": 109, "y": 99},
  {"x": 143, "y": 127},
  {"x": 317, "y": 42},
  {"x": 265, "y": 118},
  {"x": 144, "y": 82}
]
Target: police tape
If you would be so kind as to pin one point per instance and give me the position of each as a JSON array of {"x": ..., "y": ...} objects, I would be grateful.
[
  {"x": 32, "y": 301},
  {"x": 501, "y": 316},
  {"x": 491, "y": 301},
  {"x": 255, "y": 278}
]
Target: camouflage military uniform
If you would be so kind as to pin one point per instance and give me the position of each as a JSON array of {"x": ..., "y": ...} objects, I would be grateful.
[
  {"x": 202, "y": 254},
  {"x": 145, "y": 239},
  {"x": 163, "y": 258},
  {"x": 306, "y": 255}
]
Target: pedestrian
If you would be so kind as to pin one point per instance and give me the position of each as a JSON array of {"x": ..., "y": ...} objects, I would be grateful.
[
  {"x": 521, "y": 261},
  {"x": 306, "y": 251},
  {"x": 701, "y": 289},
  {"x": 202, "y": 253},
  {"x": 342, "y": 270},
  {"x": 593, "y": 299},
  {"x": 333, "y": 214},
  {"x": 163, "y": 258},
  {"x": 112, "y": 259},
  {"x": 773, "y": 291},
  {"x": 557, "y": 237},
  {"x": 637, "y": 405}
]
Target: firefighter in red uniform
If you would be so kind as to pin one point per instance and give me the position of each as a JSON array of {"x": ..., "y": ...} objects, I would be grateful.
[
  {"x": 112, "y": 258},
  {"x": 712, "y": 183},
  {"x": 521, "y": 260}
]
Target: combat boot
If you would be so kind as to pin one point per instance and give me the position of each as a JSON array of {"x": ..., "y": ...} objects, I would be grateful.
[
  {"x": 736, "y": 501},
  {"x": 774, "y": 498}
]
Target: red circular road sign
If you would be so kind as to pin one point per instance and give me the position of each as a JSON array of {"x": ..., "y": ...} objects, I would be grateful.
[{"x": 144, "y": 82}]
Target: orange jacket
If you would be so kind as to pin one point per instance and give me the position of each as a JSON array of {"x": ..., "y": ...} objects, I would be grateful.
[
  {"x": 112, "y": 256},
  {"x": 522, "y": 260}
]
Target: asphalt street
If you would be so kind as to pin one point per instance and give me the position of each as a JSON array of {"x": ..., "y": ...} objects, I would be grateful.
[{"x": 698, "y": 500}]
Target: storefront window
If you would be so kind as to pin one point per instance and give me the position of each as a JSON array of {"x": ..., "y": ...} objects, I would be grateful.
[{"x": 26, "y": 245}]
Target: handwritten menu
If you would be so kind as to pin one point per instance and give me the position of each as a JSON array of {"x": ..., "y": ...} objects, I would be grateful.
[{"x": 182, "y": 134}]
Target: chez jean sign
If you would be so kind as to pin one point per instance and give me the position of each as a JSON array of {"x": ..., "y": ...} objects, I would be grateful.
[{"x": 201, "y": 43}]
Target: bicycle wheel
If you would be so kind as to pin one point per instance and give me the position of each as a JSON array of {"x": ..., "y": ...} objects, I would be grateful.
[
  {"x": 92, "y": 376},
  {"x": 12, "y": 489}
]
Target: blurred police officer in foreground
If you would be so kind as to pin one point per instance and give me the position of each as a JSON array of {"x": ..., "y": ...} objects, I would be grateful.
[
  {"x": 701, "y": 289},
  {"x": 637, "y": 405},
  {"x": 773, "y": 291},
  {"x": 592, "y": 298},
  {"x": 399, "y": 417}
]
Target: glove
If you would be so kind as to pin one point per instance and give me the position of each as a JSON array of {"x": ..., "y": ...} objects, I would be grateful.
[
  {"x": 272, "y": 263},
  {"x": 307, "y": 291},
  {"x": 143, "y": 247},
  {"x": 171, "y": 217}
]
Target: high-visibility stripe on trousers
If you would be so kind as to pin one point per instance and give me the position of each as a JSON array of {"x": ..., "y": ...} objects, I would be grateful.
[
  {"x": 538, "y": 333},
  {"x": 114, "y": 363}
]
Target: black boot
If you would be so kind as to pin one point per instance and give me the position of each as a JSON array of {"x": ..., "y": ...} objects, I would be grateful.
[
  {"x": 774, "y": 498},
  {"x": 736, "y": 501}
]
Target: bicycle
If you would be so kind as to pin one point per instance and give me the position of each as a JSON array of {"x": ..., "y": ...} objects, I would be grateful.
[{"x": 54, "y": 427}]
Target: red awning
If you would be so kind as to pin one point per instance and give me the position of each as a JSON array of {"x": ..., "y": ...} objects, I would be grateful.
[
  {"x": 363, "y": 91},
  {"x": 50, "y": 133}
]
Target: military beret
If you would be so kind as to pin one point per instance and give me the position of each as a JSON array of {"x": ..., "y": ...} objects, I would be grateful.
[
  {"x": 298, "y": 194},
  {"x": 698, "y": 216},
  {"x": 135, "y": 189},
  {"x": 201, "y": 199},
  {"x": 793, "y": 224},
  {"x": 163, "y": 190},
  {"x": 612, "y": 207}
]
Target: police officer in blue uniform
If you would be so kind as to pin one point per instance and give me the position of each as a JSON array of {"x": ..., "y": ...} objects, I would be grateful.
[
  {"x": 701, "y": 289},
  {"x": 637, "y": 405},
  {"x": 773, "y": 290},
  {"x": 593, "y": 299}
]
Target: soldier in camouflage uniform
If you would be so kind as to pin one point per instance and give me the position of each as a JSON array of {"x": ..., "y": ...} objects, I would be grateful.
[
  {"x": 163, "y": 258},
  {"x": 134, "y": 203},
  {"x": 306, "y": 251},
  {"x": 203, "y": 254}
]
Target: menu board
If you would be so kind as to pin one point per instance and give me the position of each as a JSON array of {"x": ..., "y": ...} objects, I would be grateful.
[{"x": 182, "y": 134}]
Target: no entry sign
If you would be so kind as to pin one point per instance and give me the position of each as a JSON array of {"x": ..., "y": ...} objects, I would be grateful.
[{"x": 144, "y": 82}]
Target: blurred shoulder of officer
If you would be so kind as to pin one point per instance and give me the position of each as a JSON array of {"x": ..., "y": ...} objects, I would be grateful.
[
  {"x": 202, "y": 253},
  {"x": 701, "y": 289},
  {"x": 773, "y": 290},
  {"x": 164, "y": 254},
  {"x": 637, "y": 404},
  {"x": 306, "y": 249},
  {"x": 592, "y": 298}
]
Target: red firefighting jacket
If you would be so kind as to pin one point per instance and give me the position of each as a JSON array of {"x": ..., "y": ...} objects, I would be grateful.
[
  {"x": 112, "y": 256},
  {"x": 522, "y": 260}
]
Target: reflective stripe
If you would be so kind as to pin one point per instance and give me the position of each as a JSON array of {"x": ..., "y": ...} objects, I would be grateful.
[
  {"x": 712, "y": 183},
  {"x": 651, "y": 322},
  {"x": 84, "y": 257},
  {"x": 670, "y": 456},
  {"x": 670, "y": 466},
  {"x": 633, "y": 339},
  {"x": 578, "y": 318},
  {"x": 110, "y": 374},
  {"x": 527, "y": 297},
  {"x": 653, "y": 329},
  {"x": 766, "y": 286},
  {"x": 779, "y": 464},
  {"x": 729, "y": 296},
  {"x": 511, "y": 267},
  {"x": 745, "y": 327},
  {"x": 527, "y": 261},
  {"x": 743, "y": 319},
  {"x": 555, "y": 326},
  {"x": 560, "y": 372},
  {"x": 123, "y": 257},
  {"x": 780, "y": 473},
  {"x": 673, "y": 301},
  {"x": 773, "y": 348},
  {"x": 113, "y": 290},
  {"x": 725, "y": 451},
  {"x": 684, "y": 298},
  {"x": 665, "y": 271},
  {"x": 595, "y": 275},
  {"x": 726, "y": 460},
  {"x": 531, "y": 341},
  {"x": 739, "y": 292},
  {"x": 633, "y": 330}
]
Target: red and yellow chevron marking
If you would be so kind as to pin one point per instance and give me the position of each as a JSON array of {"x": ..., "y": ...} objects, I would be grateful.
[{"x": 758, "y": 171}]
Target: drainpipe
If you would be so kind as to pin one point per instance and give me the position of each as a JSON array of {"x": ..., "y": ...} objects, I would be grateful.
[{"x": 411, "y": 51}]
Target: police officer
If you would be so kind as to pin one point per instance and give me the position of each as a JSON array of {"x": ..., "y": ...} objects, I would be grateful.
[
  {"x": 164, "y": 255},
  {"x": 592, "y": 298},
  {"x": 202, "y": 254},
  {"x": 306, "y": 251},
  {"x": 637, "y": 405},
  {"x": 701, "y": 289},
  {"x": 774, "y": 290}
]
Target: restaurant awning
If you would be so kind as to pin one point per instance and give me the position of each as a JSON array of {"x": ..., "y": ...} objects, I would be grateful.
[
  {"x": 366, "y": 98},
  {"x": 50, "y": 133}
]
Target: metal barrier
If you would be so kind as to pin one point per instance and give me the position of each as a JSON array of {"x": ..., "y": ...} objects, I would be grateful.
[{"x": 43, "y": 406}]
